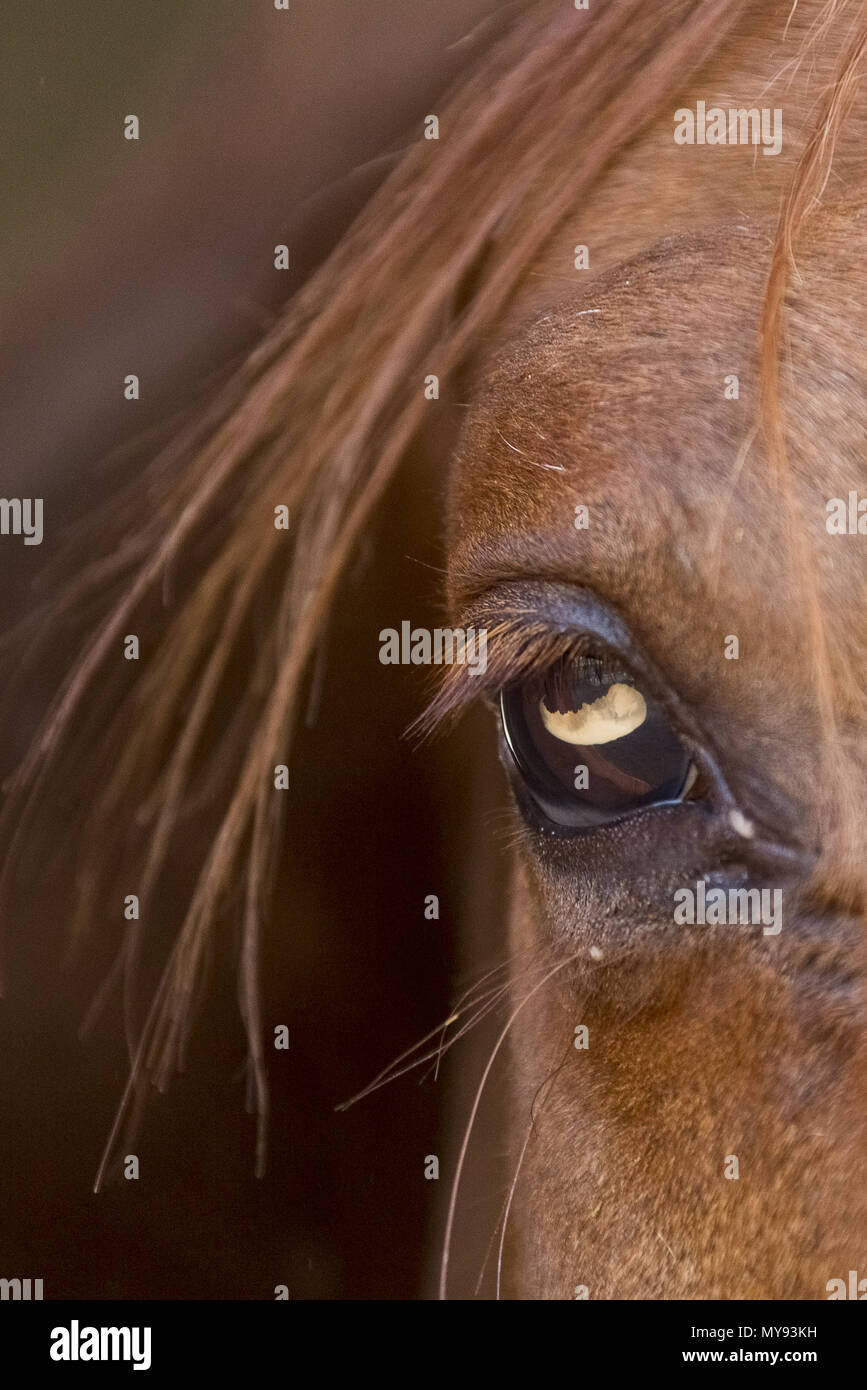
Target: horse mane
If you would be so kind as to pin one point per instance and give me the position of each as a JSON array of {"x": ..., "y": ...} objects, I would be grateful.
[{"x": 317, "y": 420}]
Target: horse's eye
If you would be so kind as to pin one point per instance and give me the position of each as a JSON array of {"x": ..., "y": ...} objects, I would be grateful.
[{"x": 590, "y": 746}]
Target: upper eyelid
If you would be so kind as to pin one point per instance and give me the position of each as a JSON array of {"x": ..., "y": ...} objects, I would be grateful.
[{"x": 565, "y": 608}]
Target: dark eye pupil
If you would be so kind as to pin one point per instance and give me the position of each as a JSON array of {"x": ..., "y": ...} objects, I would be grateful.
[{"x": 590, "y": 745}]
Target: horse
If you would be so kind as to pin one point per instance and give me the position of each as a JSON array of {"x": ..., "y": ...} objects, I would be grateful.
[{"x": 603, "y": 314}]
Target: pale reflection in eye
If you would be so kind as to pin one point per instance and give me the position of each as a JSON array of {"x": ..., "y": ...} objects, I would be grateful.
[{"x": 618, "y": 712}]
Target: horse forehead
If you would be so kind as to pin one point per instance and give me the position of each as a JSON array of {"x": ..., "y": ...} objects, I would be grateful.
[
  {"x": 613, "y": 401},
  {"x": 638, "y": 401}
]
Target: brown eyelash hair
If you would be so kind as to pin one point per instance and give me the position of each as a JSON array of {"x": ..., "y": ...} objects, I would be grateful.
[{"x": 516, "y": 648}]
